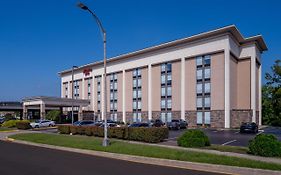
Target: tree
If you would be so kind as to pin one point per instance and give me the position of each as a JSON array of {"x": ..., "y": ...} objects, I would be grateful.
[
  {"x": 271, "y": 96},
  {"x": 53, "y": 115}
]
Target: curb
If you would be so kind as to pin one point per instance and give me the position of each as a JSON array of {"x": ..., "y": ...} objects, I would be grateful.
[
  {"x": 160, "y": 162},
  {"x": 232, "y": 154}
]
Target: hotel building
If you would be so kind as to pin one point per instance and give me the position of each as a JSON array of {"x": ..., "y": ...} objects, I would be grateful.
[{"x": 213, "y": 79}]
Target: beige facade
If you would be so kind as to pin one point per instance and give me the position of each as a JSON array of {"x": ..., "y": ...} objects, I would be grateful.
[
  {"x": 217, "y": 81},
  {"x": 232, "y": 80}
]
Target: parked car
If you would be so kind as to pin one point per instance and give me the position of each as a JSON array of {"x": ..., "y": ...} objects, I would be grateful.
[
  {"x": 42, "y": 123},
  {"x": 84, "y": 123},
  {"x": 157, "y": 123},
  {"x": 2, "y": 120},
  {"x": 177, "y": 124},
  {"x": 110, "y": 125},
  {"x": 137, "y": 125},
  {"x": 249, "y": 127}
]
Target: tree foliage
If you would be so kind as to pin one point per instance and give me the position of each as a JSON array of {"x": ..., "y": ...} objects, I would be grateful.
[
  {"x": 53, "y": 115},
  {"x": 271, "y": 96}
]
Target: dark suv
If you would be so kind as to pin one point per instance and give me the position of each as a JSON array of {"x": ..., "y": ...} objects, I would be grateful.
[
  {"x": 157, "y": 123},
  {"x": 249, "y": 127},
  {"x": 177, "y": 124}
]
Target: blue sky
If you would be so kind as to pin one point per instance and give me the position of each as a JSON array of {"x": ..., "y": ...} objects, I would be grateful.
[{"x": 40, "y": 38}]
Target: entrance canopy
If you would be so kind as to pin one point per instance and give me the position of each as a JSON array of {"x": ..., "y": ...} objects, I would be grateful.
[{"x": 44, "y": 102}]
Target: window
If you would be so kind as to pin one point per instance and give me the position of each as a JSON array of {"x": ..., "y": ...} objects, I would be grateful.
[
  {"x": 139, "y": 82},
  {"x": 199, "y": 89},
  {"x": 134, "y": 83},
  {"x": 163, "y": 67},
  {"x": 169, "y": 103},
  {"x": 207, "y": 87},
  {"x": 163, "y": 104},
  {"x": 199, "y": 74},
  {"x": 134, "y": 105},
  {"x": 169, "y": 91},
  {"x": 199, "y": 102},
  {"x": 207, "y": 60},
  {"x": 199, "y": 118},
  {"x": 207, "y": 74},
  {"x": 169, "y": 67},
  {"x": 163, "y": 117},
  {"x": 169, "y": 117},
  {"x": 163, "y": 79},
  {"x": 163, "y": 91},
  {"x": 139, "y": 105},
  {"x": 139, "y": 93},
  {"x": 207, "y": 102},
  {"x": 134, "y": 93},
  {"x": 207, "y": 118},
  {"x": 199, "y": 61}
]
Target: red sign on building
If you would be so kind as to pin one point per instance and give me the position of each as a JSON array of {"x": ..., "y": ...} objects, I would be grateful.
[{"x": 87, "y": 71}]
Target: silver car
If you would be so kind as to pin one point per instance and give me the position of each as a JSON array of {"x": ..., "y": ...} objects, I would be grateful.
[{"x": 42, "y": 123}]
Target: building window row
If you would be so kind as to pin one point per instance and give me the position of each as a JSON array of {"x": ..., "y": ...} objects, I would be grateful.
[
  {"x": 203, "y": 89},
  {"x": 166, "y": 92},
  {"x": 76, "y": 89},
  {"x": 113, "y": 96},
  {"x": 98, "y": 94},
  {"x": 137, "y": 95}
]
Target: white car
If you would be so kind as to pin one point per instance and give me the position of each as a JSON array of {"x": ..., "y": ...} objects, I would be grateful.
[{"x": 42, "y": 123}]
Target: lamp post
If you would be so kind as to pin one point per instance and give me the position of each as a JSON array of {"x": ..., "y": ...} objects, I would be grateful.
[
  {"x": 72, "y": 93},
  {"x": 84, "y": 7}
]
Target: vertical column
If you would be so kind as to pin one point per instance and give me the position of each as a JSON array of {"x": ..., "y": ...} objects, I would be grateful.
[
  {"x": 93, "y": 94},
  {"x": 149, "y": 94},
  {"x": 25, "y": 110},
  {"x": 80, "y": 113},
  {"x": 83, "y": 89},
  {"x": 227, "y": 88},
  {"x": 124, "y": 96},
  {"x": 183, "y": 88},
  {"x": 42, "y": 111},
  {"x": 260, "y": 96},
  {"x": 253, "y": 87}
]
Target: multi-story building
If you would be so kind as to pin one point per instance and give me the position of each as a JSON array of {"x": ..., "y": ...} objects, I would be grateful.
[{"x": 213, "y": 79}]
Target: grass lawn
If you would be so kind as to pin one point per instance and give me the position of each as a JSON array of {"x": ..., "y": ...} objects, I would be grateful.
[
  {"x": 6, "y": 129},
  {"x": 226, "y": 148},
  {"x": 92, "y": 143}
]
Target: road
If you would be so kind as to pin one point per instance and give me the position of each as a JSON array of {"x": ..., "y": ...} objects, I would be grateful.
[{"x": 26, "y": 160}]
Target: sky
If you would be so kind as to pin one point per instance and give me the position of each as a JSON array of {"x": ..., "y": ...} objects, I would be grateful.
[{"x": 40, "y": 38}]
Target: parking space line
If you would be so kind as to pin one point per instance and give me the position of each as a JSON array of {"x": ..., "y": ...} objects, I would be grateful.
[
  {"x": 260, "y": 132},
  {"x": 226, "y": 143}
]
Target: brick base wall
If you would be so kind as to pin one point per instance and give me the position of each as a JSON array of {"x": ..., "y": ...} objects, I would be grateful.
[
  {"x": 238, "y": 116},
  {"x": 217, "y": 119},
  {"x": 191, "y": 118}
]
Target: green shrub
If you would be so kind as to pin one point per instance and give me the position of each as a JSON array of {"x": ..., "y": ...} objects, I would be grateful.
[
  {"x": 23, "y": 124},
  {"x": 73, "y": 129},
  {"x": 193, "y": 138},
  {"x": 8, "y": 117},
  {"x": 64, "y": 129},
  {"x": 10, "y": 123},
  {"x": 265, "y": 145},
  {"x": 151, "y": 135},
  {"x": 53, "y": 115}
]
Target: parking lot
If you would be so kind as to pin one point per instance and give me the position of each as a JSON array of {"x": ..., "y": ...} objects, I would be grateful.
[
  {"x": 226, "y": 137},
  {"x": 216, "y": 136}
]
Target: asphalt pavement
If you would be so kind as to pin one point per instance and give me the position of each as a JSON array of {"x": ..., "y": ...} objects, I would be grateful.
[
  {"x": 25, "y": 160},
  {"x": 225, "y": 137}
]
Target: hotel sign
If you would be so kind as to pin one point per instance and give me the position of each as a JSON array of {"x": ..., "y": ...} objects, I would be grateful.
[{"x": 87, "y": 71}]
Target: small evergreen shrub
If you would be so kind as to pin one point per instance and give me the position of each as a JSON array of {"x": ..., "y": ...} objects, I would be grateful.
[
  {"x": 266, "y": 145},
  {"x": 10, "y": 123},
  {"x": 23, "y": 124},
  {"x": 193, "y": 138},
  {"x": 64, "y": 129}
]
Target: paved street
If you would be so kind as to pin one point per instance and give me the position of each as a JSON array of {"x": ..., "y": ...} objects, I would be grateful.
[
  {"x": 226, "y": 137},
  {"x": 25, "y": 160}
]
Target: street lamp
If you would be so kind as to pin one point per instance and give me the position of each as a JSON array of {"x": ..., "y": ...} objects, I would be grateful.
[
  {"x": 72, "y": 93},
  {"x": 84, "y": 7}
]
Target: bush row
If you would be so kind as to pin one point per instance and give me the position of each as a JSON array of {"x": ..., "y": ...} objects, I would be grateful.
[{"x": 151, "y": 135}]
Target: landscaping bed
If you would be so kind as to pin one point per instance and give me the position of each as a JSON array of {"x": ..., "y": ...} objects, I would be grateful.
[{"x": 93, "y": 143}]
